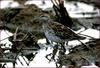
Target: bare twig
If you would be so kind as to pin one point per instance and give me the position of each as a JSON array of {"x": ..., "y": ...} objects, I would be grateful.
[
  {"x": 87, "y": 36},
  {"x": 15, "y": 34},
  {"x": 86, "y": 45}
]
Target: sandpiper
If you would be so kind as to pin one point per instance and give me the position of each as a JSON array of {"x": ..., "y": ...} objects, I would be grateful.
[{"x": 56, "y": 32}]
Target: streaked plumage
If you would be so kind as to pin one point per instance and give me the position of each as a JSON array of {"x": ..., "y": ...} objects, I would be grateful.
[{"x": 57, "y": 32}]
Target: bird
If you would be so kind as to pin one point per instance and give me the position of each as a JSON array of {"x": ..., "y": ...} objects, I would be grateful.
[{"x": 57, "y": 32}]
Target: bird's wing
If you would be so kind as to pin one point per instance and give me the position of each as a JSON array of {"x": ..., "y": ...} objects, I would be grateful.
[{"x": 63, "y": 31}]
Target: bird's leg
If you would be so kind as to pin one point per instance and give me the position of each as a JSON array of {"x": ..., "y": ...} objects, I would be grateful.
[
  {"x": 68, "y": 47},
  {"x": 66, "y": 43},
  {"x": 63, "y": 49},
  {"x": 47, "y": 41},
  {"x": 55, "y": 50}
]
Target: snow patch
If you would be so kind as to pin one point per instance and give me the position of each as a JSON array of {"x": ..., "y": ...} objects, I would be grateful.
[
  {"x": 4, "y": 37},
  {"x": 48, "y": 4},
  {"x": 42, "y": 41},
  {"x": 91, "y": 32}
]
